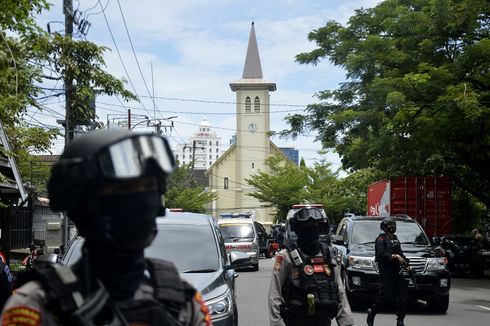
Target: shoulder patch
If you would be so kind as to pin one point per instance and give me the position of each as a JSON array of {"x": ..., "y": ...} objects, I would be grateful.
[
  {"x": 278, "y": 263},
  {"x": 204, "y": 309},
  {"x": 22, "y": 316}
]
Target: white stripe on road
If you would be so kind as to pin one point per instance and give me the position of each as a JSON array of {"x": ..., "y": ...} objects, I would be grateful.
[{"x": 483, "y": 307}]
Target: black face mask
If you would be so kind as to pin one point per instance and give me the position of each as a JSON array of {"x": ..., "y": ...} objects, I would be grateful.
[
  {"x": 120, "y": 271},
  {"x": 124, "y": 221},
  {"x": 391, "y": 229},
  {"x": 308, "y": 235}
]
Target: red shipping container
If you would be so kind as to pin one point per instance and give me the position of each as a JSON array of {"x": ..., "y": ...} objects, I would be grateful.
[{"x": 425, "y": 199}]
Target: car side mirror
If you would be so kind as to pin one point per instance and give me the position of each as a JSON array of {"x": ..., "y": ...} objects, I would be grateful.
[
  {"x": 239, "y": 259},
  {"x": 338, "y": 239}
]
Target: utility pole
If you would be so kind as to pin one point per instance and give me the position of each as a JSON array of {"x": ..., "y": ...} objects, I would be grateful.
[
  {"x": 193, "y": 154},
  {"x": 129, "y": 119},
  {"x": 68, "y": 12}
]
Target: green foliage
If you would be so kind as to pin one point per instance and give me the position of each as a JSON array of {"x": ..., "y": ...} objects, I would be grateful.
[
  {"x": 183, "y": 191},
  {"x": 83, "y": 62},
  {"x": 285, "y": 185},
  {"x": 282, "y": 185},
  {"x": 26, "y": 54},
  {"x": 416, "y": 99}
]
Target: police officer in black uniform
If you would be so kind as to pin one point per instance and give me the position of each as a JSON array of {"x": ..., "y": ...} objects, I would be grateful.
[
  {"x": 111, "y": 184},
  {"x": 306, "y": 287},
  {"x": 392, "y": 262}
]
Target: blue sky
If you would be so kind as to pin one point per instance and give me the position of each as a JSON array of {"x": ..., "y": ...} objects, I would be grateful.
[{"x": 197, "y": 47}]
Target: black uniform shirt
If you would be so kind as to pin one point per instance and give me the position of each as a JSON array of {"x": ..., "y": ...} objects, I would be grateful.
[{"x": 385, "y": 248}]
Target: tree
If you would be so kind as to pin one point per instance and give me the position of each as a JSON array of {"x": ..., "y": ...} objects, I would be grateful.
[
  {"x": 416, "y": 99},
  {"x": 282, "y": 186},
  {"x": 183, "y": 191},
  {"x": 29, "y": 58},
  {"x": 286, "y": 184}
]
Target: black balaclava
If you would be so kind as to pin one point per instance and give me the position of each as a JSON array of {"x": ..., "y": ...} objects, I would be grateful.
[
  {"x": 120, "y": 226},
  {"x": 308, "y": 237}
]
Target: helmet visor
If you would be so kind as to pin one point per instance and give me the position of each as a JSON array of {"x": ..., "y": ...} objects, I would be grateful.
[
  {"x": 304, "y": 214},
  {"x": 130, "y": 157}
]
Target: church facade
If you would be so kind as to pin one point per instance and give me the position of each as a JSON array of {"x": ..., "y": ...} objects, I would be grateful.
[{"x": 252, "y": 147}]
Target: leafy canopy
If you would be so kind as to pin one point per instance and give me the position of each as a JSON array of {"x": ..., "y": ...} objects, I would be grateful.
[
  {"x": 30, "y": 62},
  {"x": 416, "y": 99},
  {"x": 184, "y": 191},
  {"x": 285, "y": 184}
]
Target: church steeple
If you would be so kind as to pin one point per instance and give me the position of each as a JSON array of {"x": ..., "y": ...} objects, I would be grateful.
[
  {"x": 252, "y": 71},
  {"x": 252, "y": 68}
]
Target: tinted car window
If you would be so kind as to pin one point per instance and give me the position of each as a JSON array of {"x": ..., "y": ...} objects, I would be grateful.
[
  {"x": 367, "y": 231},
  {"x": 237, "y": 232},
  {"x": 198, "y": 251}
]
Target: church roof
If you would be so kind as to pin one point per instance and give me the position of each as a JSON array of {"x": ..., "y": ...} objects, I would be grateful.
[
  {"x": 252, "y": 68},
  {"x": 252, "y": 71}
]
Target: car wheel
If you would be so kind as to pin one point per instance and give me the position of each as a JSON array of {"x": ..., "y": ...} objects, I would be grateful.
[
  {"x": 478, "y": 271},
  {"x": 355, "y": 302},
  {"x": 438, "y": 303},
  {"x": 255, "y": 267}
]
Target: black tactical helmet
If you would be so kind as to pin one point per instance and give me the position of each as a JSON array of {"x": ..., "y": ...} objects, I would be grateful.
[
  {"x": 105, "y": 156},
  {"x": 306, "y": 214},
  {"x": 302, "y": 215},
  {"x": 387, "y": 222}
]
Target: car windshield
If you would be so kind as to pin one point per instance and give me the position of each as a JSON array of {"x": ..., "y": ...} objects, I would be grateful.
[
  {"x": 237, "y": 232},
  {"x": 189, "y": 247},
  {"x": 407, "y": 232}
]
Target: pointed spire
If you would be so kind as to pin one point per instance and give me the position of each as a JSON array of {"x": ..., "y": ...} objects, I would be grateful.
[{"x": 252, "y": 68}]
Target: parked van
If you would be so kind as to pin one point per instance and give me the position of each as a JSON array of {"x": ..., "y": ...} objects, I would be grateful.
[{"x": 240, "y": 235}]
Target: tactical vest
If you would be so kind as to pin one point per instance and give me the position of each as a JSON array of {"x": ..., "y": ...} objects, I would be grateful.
[
  {"x": 65, "y": 300},
  {"x": 317, "y": 294}
]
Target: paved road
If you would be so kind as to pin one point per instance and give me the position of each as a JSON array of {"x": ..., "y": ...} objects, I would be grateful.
[{"x": 469, "y": 302}]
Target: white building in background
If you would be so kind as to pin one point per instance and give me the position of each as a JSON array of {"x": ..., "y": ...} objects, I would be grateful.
[{"x": 204, "y": 148}]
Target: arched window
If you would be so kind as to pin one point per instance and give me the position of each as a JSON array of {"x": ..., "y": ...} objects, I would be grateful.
[
  {"x": 248, "y": 105},
  {"x": 257, "y": 105}
]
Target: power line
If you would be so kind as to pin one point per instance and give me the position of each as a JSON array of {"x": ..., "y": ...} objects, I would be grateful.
[
  {"x": 134, "y": 52},
  {"x": 120, "y": 58},
  {"x": 223, "y": 102}
]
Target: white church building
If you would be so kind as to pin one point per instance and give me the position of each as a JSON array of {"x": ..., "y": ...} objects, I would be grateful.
[{"x": 253, "y": 145}]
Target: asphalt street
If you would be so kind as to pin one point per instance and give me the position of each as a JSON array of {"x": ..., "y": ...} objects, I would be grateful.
[{"x": 469, "y": 302}]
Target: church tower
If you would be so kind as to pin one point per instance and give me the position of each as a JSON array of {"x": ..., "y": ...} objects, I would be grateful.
[
  {"x": 252, "y": 118},
  {"x": 252, "y": 147}
]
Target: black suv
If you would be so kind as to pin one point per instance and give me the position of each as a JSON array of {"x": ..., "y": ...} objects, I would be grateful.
[{"x": 355, "y": 238}]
